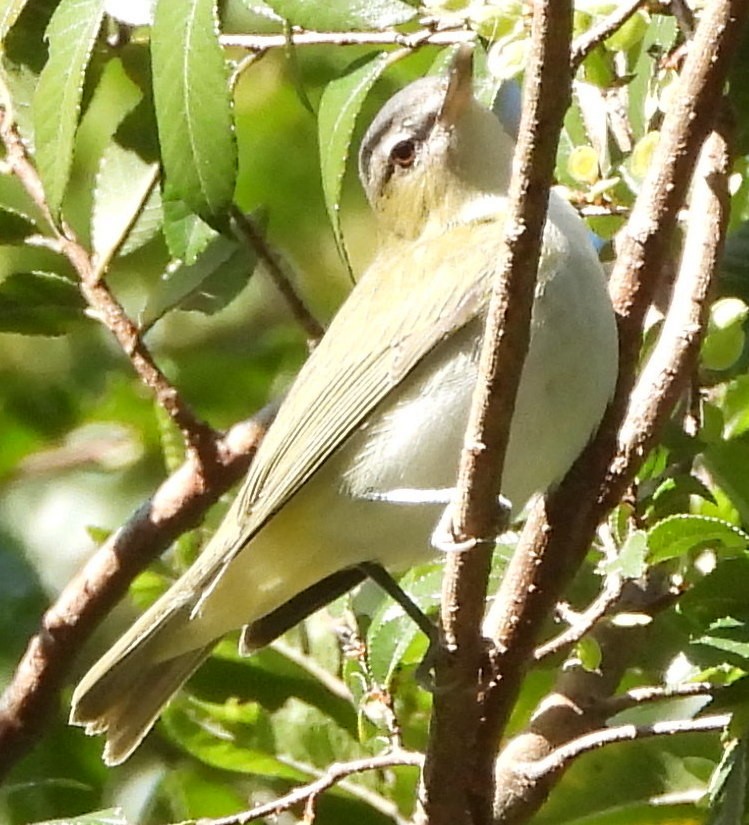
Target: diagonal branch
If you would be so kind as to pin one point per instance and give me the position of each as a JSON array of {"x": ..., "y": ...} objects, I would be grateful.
[{"x": 177, "y": 506}]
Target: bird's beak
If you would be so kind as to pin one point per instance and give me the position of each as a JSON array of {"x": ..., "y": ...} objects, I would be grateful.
[{"x": 459, "y": 86}]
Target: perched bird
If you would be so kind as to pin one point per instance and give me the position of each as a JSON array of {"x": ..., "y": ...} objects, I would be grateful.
[{"x": 356, "y": 465}]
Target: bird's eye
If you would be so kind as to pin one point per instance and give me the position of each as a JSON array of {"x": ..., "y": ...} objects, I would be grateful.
[{"x": 403, "y": 154}]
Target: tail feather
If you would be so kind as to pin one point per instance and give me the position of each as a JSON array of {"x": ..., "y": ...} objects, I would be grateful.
[
  {"x": 126, "y": 701},
  {"x": 125, "y": 691}
]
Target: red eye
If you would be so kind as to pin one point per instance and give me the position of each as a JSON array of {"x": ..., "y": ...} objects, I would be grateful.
[{"x": 403, "y": 154}]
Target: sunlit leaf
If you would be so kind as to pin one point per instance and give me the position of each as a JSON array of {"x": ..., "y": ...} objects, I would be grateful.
[
  {"x": 343, "y": 15},
  {"x": 57, "y": 100},
  {"x": 339, "y": 108},
  {"x": 193, "y": 107},
  {"x": 676, "y": 535}
]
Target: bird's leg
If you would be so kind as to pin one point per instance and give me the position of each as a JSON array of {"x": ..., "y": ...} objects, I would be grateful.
[
  {"x": 444, "y": 537},
  {"x": 386, "y": 582}
]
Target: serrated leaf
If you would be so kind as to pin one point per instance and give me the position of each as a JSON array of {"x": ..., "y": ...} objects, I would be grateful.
[
  {"x": 39, "y": 303},
  {"x": 124, "y": 185},
  {"x": 206, "y": 286},
  {"x": 392, "y": 633},
  {"x": 677, "y": 535},
  {"x": 186, "y": 234},
  {"x": 9, "y": 12},
  {"x": 193, "y": 106},
  {"x": 727, "y": 791},
  {"x": 343, "y": 15},
  {"x": 57, "y": 99},
  {"x": 340, "y": 105}
]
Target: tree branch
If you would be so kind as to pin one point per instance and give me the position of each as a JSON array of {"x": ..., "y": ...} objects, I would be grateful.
[
  {"x": 199, "y": 437},
  {"x": 561, "y": 527},
  {"x": 561, "y": 758},
  {"x": 457, "y": 783},
  {"x": 307, "y": 793},
  {"x": 177, "y": 506},
  {"x": 255, "y": 240},
  {"x": 585, "y": 43}
]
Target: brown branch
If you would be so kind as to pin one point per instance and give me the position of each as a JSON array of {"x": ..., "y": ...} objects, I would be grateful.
[
  {"x": 656, "y": 693},
  {"x": 585, "y": 43},
  {"x": 585, "y": 621},
  {"x": 198, "y": 436},
  {"x": 177, "y": 506},
  {"x": 561, "y": 758},
  {"x": 255, "y": 240},
  {"x": 333, "y": 775},
  {"x": 300, "y": 37},
  {"x": 451, "y": 791},
  {"x": 561, "y": 528}
]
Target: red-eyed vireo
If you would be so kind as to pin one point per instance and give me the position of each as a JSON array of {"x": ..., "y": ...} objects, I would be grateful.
[{"x": 356, "y": 465}]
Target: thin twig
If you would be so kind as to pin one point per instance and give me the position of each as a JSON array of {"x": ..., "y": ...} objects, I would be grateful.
[
  {"x": 332, "y": 683},
  {"x": 299, "y": 37},
  {"x": 585, "y": 43},
  {"x": 198, "y": 436},
  {"x": 333, "y": 775},
  {"x": 177, "y": 506},
  {"x": 585, "y": 621},
  {"x": 655, "y": 693},
  {"x": 560, "y": 758},
  {"x": 255, "y": 240}
]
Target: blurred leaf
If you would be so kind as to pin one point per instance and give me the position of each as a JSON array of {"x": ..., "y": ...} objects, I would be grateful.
[
  {"x": 39, "y": 303},
  {"x": 677, "y": 535},
  {"x": 9, "y": 13},
  {"x": 589, "y": 653},
  {"x": 340, "y": 105},
  {"x": 111, "y": 816},
  {"x": 193, "y": 106},
  {"x": 14, "y": 226},
  {"x": 728, "y": 463},
  {"x": 727, "y": 790},
  {"x": 343, "y": 15},
  {"x": 194, "y": 726},
  {"x": 125, "y": 185},
  {"x": 735, "y": 406},
  {"x": 630, "y": 561},
  {"x": 217, "y": 276},
  {"x": 57, "y": 100}
]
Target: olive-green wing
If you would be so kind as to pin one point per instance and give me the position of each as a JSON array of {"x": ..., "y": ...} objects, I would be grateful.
[{"x": 395, "y": 315}]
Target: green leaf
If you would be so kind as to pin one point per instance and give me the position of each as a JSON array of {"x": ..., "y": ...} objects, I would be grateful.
[
  {"x": 186, "y": 234},
  {"x": 630, "y": 561},
  {"x": 14, "y": 226},
  {"x": 9, "y": 13},
  {"x": 393, "y": 634},
  {"x": 193, "y": 106},
  {"x": 57, "y": 100},
  {"x": 343, "y": 15},
  {"x": 339, "y": 108},
  {"x": 206, "y": 286},
  {"x": 728, "y": 464},
  {"x": 677, "y": 535},
  {"x": 727, "y": 790},
  {"x": 194, "y": 725},
  {"x": 125, "y": 185},
  {"x": 39, "y": 303},
  {"x": 111, "y": 816}
]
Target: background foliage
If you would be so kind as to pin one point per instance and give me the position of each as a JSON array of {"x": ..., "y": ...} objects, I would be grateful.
[{"x": 144, "y": 136}]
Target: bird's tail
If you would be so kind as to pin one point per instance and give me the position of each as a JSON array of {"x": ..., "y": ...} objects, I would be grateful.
[{"x": 124, "y": 692}]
